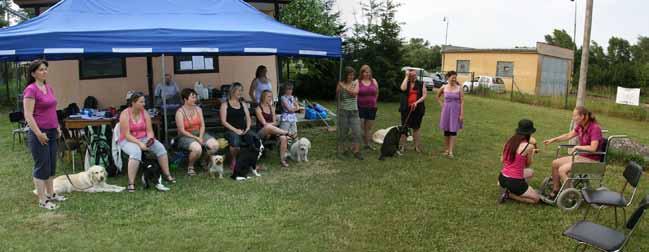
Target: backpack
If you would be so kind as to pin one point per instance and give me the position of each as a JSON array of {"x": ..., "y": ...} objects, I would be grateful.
[
  {"x": 72, "y": 109},
  {"x": 90, "y": 102},
  {"x": 99, "y": 149}
]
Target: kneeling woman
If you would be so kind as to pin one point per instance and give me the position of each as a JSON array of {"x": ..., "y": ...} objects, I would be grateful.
[
  {"x": 590, "y": 140},
  {"x": 191, "y": 130},
  {"x": 267, "y": 124},
  {"x": 135, "y": 134},
  {"x": 517, "y": 155}
]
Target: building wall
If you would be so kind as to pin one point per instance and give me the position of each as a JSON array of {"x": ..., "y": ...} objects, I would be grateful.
[
  {"x": 64, "y": 77},
  {"x": 485, "y": 63}
]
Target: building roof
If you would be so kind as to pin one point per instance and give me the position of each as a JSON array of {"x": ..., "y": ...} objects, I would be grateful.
[{"x": 541, "y": 48}]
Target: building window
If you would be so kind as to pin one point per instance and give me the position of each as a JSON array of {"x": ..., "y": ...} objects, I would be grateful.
[
  {"x": 102, "y": 68},
  {"x": 190, "y": 64},
  {"x": 463, "y": 66},
  {"x": 505, "y": 69}
]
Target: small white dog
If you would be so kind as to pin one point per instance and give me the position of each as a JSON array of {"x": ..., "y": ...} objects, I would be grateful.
[
  {"x": 300, "y": 150},
  {"x": 216, "y": 166},
  {"x": 92, "y": 180}
]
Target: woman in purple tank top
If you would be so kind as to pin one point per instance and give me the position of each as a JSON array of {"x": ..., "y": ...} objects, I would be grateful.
[
  {"x": 517, "y": 155},
  {"x": 368, "y": 95}
]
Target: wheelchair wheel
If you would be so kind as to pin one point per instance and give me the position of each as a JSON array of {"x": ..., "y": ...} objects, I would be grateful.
[{"x": 569, "y": 199}]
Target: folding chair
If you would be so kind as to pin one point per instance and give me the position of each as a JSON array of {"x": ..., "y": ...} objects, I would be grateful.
[
  {"x": 601, "y": 198},
  {"x": 20, "y": 127},
  {"x": 587, "y": 233}
]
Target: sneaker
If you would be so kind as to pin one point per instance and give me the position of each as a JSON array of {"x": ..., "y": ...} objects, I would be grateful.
[
  {"x": 161, "y": 187},
  {"x": 504, "y": 195},
  {"x": 240, "y": 178},
  {"x": 56, "y": 197},
  {"x": 47, "y": 204},
  {"x": 358, "y": 156},
  {"x": 254, "y": 172}
]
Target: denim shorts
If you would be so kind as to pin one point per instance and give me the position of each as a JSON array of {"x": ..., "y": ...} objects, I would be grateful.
[{"x": 134, "y": 152}]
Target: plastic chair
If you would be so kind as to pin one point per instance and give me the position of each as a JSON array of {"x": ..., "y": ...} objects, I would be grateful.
[{"x": 20, "y": 128}]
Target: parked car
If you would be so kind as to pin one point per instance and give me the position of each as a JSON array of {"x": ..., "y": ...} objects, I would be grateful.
[
  {"x": 423, "y": 75},
  {"x": 495, "y": 84},
  {"x": 438, "y": 81}
]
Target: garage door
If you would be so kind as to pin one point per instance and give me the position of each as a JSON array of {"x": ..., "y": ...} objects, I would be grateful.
[{"x": 554, "y": 76}]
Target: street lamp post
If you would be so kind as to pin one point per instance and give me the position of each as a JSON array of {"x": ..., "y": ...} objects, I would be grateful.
[{"x": 446, "y": 20}]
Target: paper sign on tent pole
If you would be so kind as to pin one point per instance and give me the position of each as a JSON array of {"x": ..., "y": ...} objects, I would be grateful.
[{"x": 628, "y": 96}]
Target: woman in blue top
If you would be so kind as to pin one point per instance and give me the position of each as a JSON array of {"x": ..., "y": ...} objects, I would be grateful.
[{"x": 259, "y": 84}]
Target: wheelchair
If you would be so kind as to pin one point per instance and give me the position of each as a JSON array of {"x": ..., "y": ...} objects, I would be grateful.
[{"x": 582, "y": 176}]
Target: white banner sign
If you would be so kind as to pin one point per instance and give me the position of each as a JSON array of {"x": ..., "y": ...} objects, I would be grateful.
[{"x": 628, "y": 96}]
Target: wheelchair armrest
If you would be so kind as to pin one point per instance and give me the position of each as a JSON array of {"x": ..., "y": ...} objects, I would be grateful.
[
  {"x": 589, "y": 152},
  {"x": 566, "y": 146}
]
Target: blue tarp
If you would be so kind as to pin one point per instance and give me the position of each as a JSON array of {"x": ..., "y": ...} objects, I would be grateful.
[{"x": 73, "y": 28}]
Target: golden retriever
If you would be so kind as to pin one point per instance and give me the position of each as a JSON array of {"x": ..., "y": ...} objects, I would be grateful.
[{"x": 92, "y": 180}]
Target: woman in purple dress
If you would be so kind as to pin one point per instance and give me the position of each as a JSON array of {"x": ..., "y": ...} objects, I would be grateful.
[{"x": 452, "y": 118}]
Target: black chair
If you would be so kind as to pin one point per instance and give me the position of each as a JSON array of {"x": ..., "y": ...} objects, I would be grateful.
[
  {"x": 604, "y": 197},
  {"x": 587, "y": 233},
  {"x": 20, "y": 127}
]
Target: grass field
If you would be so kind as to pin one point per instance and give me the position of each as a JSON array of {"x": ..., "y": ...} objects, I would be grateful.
[{"x": 412, "y": 203}]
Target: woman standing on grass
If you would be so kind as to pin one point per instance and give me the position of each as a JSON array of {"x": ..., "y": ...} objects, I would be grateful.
[
  {"x": 590, "y": 140},
  {"x": 368, "y": 95},
  {"x": 347, "y": 91},
  {"x": 452, "y": 117},
  {"x": 39, "y": 104},
  {"x": 413, "y": 95},
  {"x": 517, "y": 155}
]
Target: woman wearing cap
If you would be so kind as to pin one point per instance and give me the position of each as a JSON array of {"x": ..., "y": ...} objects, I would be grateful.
[{"x": 517, "y": 155}]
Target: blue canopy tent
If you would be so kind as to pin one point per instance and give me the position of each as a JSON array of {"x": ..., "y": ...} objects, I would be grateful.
[{"x": 77, "y": 28}]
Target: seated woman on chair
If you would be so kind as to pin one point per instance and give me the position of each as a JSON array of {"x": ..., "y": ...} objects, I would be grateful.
[
  {"x": 590, "y": 140},
  {"x": 267, "y": 124},
  {"x": 517, "y": 155},
  {"x": 236, "y": 120},
  {"x": 191, "y": 130},
  {"x": 136, "y": 133}
]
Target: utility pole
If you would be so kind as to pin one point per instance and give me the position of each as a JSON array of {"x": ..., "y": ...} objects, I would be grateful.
[
  {"x": 583, "y": 70},
  {"x": 446, "y": 36}
]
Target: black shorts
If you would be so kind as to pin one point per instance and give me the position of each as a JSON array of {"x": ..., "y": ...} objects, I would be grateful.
[
  {"x": 367, "y": 113},
  {"x": 449, "y": 133},
  {"x": 234, "y": 140},
  {"x": 515, "y": 186},
  {"x": 414, "y": 121}
]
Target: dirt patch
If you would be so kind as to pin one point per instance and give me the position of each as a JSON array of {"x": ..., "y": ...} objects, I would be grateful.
[{"x": 309, "y": 169}]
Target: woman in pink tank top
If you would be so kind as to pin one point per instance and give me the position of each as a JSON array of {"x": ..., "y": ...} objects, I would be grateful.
[
  {"x": 516, "y": 157},
  {"x": 136, "y": 137},
  {"x": 368, "y": 95}
]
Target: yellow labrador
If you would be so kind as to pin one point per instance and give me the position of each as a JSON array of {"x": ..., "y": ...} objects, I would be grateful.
[{"x": 92, "y": 180}]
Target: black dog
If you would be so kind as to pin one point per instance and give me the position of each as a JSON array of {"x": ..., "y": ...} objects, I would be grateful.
[
  {"x": 151, "y": 172},
  {"x": 250, "y": 152},
  {"x": 391, "y": 142}
]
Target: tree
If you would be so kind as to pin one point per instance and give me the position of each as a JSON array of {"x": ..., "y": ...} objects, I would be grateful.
[
  {"x": 418, "y": 53},
  {"x": 560, "y": 38},
  {"x": 376, "y": 42},
  {"x": 3, "y": 4},
  {"x": 315, "y": 16}
]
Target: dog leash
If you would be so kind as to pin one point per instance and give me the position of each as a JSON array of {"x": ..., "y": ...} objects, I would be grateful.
[{"x": 70, "y": 180}]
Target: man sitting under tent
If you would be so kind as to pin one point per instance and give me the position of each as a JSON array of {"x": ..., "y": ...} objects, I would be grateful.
[{"x": 169, "y": 90}]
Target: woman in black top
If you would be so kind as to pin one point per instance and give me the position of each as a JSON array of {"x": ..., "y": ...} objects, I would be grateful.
[
  {"x": 413, "y": 95},
  {"x": 236, "y": 120}
]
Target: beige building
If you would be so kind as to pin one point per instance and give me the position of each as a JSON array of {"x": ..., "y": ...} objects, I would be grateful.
[
  {"x": 108, "y": 79},
  {"x": 542, "y": 70}
]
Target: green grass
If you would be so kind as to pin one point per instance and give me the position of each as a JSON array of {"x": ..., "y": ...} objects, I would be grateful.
[{"x": 412, "y": 203}]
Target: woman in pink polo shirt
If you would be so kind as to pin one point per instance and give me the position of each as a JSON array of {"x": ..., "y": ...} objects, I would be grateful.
[
  {"x": 39, "y": 104},
  {"x": 590, "y": 140}
]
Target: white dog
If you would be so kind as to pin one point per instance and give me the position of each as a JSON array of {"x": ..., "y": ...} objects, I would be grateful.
[
  {"x": 300, "y": 150},
  {"x": 216, "y": 166},
  {"x": 92, "y": 180}
]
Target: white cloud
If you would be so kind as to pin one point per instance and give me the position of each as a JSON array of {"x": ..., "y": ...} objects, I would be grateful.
[{"x": 509, "y": 23}]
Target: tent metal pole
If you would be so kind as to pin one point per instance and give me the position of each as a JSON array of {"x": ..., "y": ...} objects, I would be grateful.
[{"x": 164, "y": 99}]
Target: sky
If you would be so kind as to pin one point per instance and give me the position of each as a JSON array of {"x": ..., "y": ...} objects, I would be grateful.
[{"x": 511, "y": 23}]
